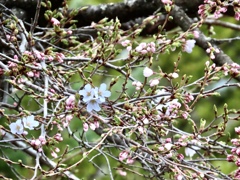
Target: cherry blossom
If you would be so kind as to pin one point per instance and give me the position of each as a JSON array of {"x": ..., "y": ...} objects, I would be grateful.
[
  {"x": 54, "y": 21},
  {"x": 70, "y": 102},
  {"x": 17, "y": 127},
  {"x": 29, "y": 122},
  {"x": 123, "y": 155},
  {"x": 85, "y": 127},
  {"x": 154, "y": 82},
  {"x": 147, "y": 72},
  {"x": 101, "y": 92},
  {"x": 189, "y": 45}
]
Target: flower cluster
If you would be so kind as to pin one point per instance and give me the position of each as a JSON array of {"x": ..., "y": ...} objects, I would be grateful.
[
  {"x": 233, "y": 69},
  {"x": 145, "y": 48},
  {"x": 211, "y": 50},
  {"x": 137, "y": 84},
  {"x": 127, "y": 43},
  {"x": 94, "y": 96},
  {"x": 235, "y": 153},
  {"x": 167, "y": 108},
  {"x": 27, "y": 122},
  {"x": 38, "y": 143},
  {"x": 125, "y": 155},
  {"x": 210, "y": 5},
  {"x": 93, "y": 126}
]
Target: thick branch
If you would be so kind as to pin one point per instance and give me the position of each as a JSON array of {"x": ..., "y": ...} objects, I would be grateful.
[{"x": 182, "y": 20}]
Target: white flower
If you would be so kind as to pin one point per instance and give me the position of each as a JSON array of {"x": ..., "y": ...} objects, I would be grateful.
[
  {"x": 29, "y": 122},
  {"x": 92, "y": 126},
  {"x": 168, "y": 146},
  {"x": 17, "y": 127},
  {"x": 101, "y": 92},
  {"x": 189, "y": 152},
  {"x": 93, "y": 104},
  {"x": 154, "y": 82},
  {"x": 87, "y": 93},
  {"x": 175, "y": 75},
  {"x": 147, "y": 72},
  {"x": 145, "y": 121},
  {"x": 189, "y": 45}
]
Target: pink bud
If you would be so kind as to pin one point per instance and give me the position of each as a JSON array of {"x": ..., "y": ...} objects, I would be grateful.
[{"x": 123, "y": 155}]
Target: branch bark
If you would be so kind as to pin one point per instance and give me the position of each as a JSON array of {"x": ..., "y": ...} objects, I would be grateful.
[{"x": 185, "y": 22}]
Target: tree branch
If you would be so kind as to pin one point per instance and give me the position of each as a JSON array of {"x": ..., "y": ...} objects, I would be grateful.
[{"x": 183, "y": 21}]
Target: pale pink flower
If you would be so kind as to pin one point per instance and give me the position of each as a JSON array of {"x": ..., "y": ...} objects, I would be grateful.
[
  {"x": 69, "y": 32},
  {"x": 57, "y": 150},
  {"x": 154, "y": 82},
  {"x": 96, "y": 123},
  {"x": 196, "y": 34},
  {"x": 92, "y": 126},
  {"x": 15, "y": 57},
  {"x": 54, "y": 21},
  {"x": 58, "y": 137},
  {"x": 123, "y": 155},
  {"x": 230, "y": 158},
  {"x": 11, "y": 64},
  {"x": 130, "y": 161},
  {"x": 129, "y": 48},
  {"x": 30, "y": 74},
  {"x": 42, "y": 139},
  {"x": 2, "y": 132},
  {"x": 137, "y": 84},
  {"x": 185, "y": 115},
  {"x": 141, "y": 129},
  {"x": 189, "y": 45},
  {"x": 237, "y": 130},
  {"x": 53, "y": 154},
  {"x": 147, "y": 72},
  {"x": 167, "y": 1},
  {"x": 125, "y": 43},
  {"x": 70, "y": 102},
  {"x": 50, "y": 58},
  {"x": 69, "y": 117},
  {"x": 37, "y": 142},
  {"x": 179, "y": 177},
  {"x": 168, "y": 140},
  {"x": 237, "y": 16},
  {"x": 59, "y": 57},
  {"x": 161, "y": 148},
  {"x": 144, "y": 48},
  {"x": 122, "y": 173},
  {"x": 85, "y": 127}
]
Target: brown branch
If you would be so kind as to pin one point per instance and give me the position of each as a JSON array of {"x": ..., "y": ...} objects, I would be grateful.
[{"x": 182, "y": 20}]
